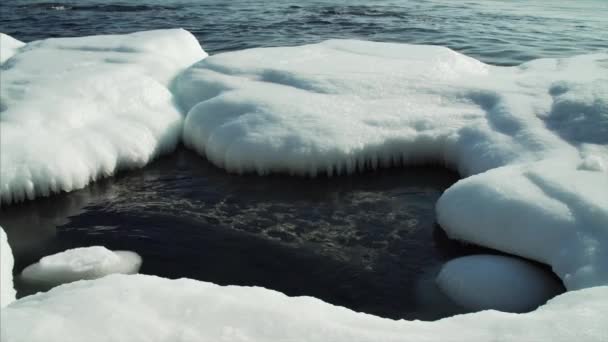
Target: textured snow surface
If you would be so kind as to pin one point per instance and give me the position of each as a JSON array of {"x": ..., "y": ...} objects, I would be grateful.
[
  {"x": 145, "y": 308},
  {"x": 482, "y": 282},
  {"x": 7, "y": 291},
  {"x": 77, "y": 109},
  {"x": 341, "y": 105},
  {"x": 540, "y": 130},
  {"x": 8, "y": 47},
  {"x": 80, "y": 263}
]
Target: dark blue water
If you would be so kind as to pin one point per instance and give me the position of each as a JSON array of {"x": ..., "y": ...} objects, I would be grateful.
[{"x": 494, "y": 31}]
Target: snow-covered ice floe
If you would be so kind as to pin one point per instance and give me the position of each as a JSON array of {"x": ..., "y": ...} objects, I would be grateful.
[
  {"x": 483, "y": 282},
  {"x": 77, "y": 109},
  {"x": 147, "y": 308},
  {"x": 531, "y": 143},
  {"x": 339, "y": 106},
  {"x": 79, "y": 264}
]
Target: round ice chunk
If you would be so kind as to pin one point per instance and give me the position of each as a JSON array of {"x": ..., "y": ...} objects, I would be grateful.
[
  {"x": 78, "y": 264},
  {"x": 482, "y": 282}
]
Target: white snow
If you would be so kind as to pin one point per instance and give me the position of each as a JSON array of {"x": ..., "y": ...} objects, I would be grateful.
[
  {"x": 483, "y": 282},
  {"x": 78, "y": 264},
  {"x": 7, "y": 291},
  {"x": 8, "y": 47},
  {"x": 338, "y": 106},
  {"x": 77, "y": 109},
  {"x": 145, "y": 308},
  {"x": 333, "y": 107}
]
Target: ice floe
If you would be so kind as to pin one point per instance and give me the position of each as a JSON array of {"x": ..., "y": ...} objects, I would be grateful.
[
  {"x": 483, "y": 282},
  {"x": 79, "y": 264},
  {"x": 339, "y": 106},
  {"x": 77, "y": 109}
]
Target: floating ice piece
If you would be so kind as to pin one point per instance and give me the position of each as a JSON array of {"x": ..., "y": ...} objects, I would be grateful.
[
  {"x": 334, "y": 107},
  {"x": 78, "y": 264},
  {"x": 483, "y": 282},
  {"x": 8, "y": 47},
  {"x": 77, "y": 109},
  {"x": 7, "y": 291},
  {"x": 146, "y": 308}
]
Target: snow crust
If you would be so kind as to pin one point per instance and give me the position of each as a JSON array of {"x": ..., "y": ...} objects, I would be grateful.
[
  {"x": 77, "y": 109},
  {"x": 8, "y": 47},
  {"x": 7, "y": 291},
  {"x": 483, "y": 282},
  {"x": 78, "y": 264},
  {"x": 339, "y": 106},
  {"x": 146, "y": 308}
]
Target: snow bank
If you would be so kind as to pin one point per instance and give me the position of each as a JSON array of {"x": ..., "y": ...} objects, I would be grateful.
[
  {"x": 145, "y": 308},
  {"x": 482, "y": 282},
  {"x": 78, "y": 264},
  {"x": 8, "y": 47},
  {"x": 7, "y": 291},
  {"x": 532, "y": 138},
  {"x": 77, "y": 109}
]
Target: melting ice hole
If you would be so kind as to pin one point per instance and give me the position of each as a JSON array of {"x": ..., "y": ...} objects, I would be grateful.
[{"x": 368, "y": 241}]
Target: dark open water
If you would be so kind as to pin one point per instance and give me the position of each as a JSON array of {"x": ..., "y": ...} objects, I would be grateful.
[{"x": 368, "y": 241}]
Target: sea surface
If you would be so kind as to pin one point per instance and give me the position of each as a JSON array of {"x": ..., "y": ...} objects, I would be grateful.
[
  {"x": 368, "y": 241},
  {"x": 502, "y": 32}
]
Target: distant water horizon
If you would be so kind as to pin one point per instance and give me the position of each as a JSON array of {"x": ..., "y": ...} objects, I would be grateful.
[{"x": 493, "y": 31}]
